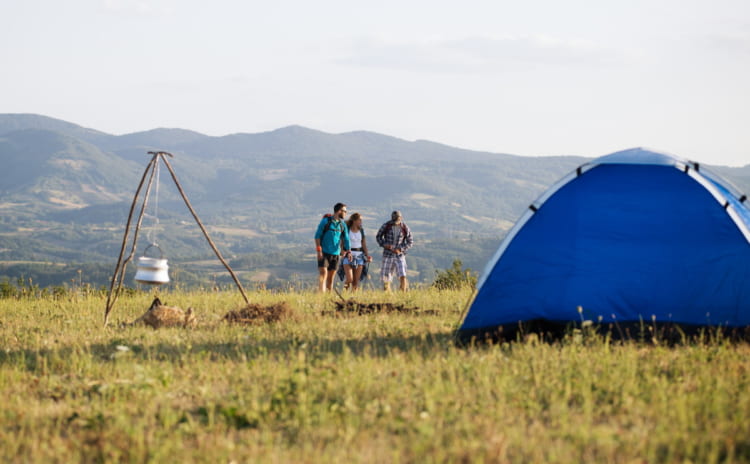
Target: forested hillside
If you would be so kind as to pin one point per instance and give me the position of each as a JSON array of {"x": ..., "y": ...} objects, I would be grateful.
[{"x": 65, "y": 194}]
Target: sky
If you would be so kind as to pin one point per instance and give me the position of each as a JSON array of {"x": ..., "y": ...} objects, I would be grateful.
[{"x": 532, "y": 77}]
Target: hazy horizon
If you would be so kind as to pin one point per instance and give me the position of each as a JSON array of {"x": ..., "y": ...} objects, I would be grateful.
[{"x": 532, "y": 78}]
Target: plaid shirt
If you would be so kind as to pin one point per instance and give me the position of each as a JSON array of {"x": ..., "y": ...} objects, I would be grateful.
[{"x": 387, "y": 236}]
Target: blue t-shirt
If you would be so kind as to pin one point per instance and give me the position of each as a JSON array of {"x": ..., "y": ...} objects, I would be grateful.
[{"x": 331, "y": 242}]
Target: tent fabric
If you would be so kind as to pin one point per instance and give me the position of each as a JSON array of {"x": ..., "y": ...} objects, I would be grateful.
[{"x": 633, "y": 236}]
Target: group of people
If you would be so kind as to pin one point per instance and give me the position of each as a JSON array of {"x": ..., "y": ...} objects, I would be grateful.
[{"x": 337, "y": 238}]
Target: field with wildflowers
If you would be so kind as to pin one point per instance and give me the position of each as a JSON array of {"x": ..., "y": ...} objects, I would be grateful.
[{"x": 326, "y": 387}]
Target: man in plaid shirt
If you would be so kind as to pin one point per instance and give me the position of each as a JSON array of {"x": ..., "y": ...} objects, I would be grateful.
[{"x": 395, "y": 238}]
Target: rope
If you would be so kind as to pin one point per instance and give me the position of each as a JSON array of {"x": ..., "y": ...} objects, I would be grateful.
[
  {"x": 121, "y": 265},
  {"x": 151, "y": 235}
]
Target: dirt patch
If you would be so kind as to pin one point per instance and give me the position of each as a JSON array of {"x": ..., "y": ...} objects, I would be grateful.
[
  {"x": 356, "y": 307},
  {"x": 259, "y": 314}
]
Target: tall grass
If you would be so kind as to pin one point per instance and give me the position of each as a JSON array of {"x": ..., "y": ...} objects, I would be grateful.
[{"x": 325, "y": 388}]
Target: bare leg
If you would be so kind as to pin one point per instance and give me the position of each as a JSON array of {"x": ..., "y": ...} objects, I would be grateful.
[
  {"x": 386, "y": 273},
  {"x": 322, "y": 279},
  {"x": 404, "y": 283},
  {"x": 356, "y": 277},
  {"x": 349, "y": 282},
  {"x": 329, "y": 280}
]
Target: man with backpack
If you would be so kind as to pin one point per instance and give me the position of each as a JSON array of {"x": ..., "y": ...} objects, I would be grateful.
[
  {"x": 395, "y": 238},
  {"x": 331, "y": 234}
]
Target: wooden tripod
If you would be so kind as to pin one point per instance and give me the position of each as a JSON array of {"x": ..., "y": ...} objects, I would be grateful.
[{"x": 115, "y": 286}]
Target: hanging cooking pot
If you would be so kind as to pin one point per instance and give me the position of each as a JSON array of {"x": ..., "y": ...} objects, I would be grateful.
[{"x": 152, "y": 271}]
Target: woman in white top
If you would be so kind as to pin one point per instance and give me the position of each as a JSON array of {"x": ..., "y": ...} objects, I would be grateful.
[{"x": 354, "y": 264}]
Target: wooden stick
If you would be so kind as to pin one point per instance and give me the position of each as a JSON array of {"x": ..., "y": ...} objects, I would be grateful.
[
  {"x": 337, "y": 293},
  {"x": 203, "y": 229},
  {"x": 120, "y": 267}
]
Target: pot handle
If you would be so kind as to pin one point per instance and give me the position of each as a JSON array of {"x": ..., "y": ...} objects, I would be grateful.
[{"x": 154, "y": 245}]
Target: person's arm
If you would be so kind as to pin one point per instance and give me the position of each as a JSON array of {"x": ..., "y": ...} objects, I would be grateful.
[
  {"x": 318, "y": 238},
  {"x": 408, "y": 240},
  {"x": 347, "y": 243},
  {"x": 364, "y": 249},
  {"x": 318, "y": 249},
  {"x": 380, "y": 237}
]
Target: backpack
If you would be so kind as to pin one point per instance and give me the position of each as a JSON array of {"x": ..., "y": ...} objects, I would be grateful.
[{"x": 327, "y": 227}]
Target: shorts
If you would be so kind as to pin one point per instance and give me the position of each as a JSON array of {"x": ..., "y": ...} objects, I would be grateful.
[
  {"x": 357, "y": 260},
  {"x": 329, "y": 261},
  {"x": 393, "y": 263}
]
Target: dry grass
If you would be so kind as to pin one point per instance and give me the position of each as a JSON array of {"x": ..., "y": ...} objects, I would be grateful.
[{"x": 373, "y": 388}]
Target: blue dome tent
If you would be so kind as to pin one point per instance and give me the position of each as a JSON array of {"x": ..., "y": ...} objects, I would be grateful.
[{"x": 636, "y": 237}]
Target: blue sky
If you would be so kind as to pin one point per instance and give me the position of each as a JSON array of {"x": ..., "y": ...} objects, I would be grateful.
[{"x": 538, "y": 77}]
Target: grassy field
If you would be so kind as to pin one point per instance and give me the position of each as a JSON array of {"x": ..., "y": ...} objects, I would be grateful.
[{"x": 376, "y": 388}]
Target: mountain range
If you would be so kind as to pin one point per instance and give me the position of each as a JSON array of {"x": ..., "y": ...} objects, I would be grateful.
[{"x": 65, "y": 192}]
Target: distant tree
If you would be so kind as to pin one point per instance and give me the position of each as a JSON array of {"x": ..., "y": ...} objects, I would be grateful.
[
  {"x": 7, "y": 290},
  {"x": 455, "y": 277}
]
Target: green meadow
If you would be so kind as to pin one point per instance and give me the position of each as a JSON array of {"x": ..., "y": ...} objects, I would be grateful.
[{"x": 346, "y": 388}]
